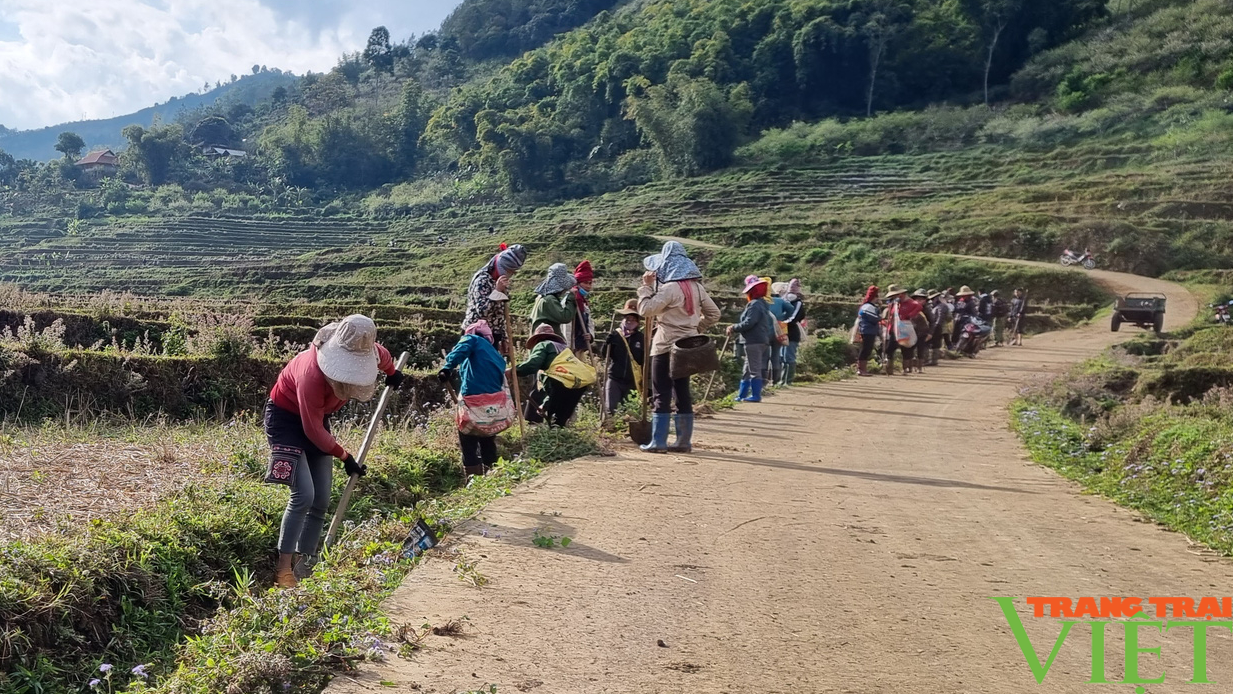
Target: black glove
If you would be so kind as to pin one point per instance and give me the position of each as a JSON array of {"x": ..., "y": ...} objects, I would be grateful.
[
  {"x": 445, "y": 375},
  {"x": 395, "y": 380},
  {"x": 353, "y": 468}
]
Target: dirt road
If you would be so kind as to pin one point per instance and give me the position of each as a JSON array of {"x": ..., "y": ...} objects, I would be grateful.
[{"x": 835, "y": 538}]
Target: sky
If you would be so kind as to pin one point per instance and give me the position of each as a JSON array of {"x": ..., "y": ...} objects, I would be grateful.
[{"x": 67, "y": 60}]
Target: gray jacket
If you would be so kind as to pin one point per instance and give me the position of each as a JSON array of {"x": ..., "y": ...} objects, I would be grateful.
[{"x": 755, "y": 326}]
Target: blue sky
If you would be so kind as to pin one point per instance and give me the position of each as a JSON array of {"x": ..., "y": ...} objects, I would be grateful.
[{"x": 65, "y": 60}]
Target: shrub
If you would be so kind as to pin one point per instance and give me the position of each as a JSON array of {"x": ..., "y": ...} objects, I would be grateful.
[{"x": 825, "y": 354}]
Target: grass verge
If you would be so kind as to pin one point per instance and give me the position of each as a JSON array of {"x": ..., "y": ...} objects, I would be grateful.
[{"x": 166, "y": 599}]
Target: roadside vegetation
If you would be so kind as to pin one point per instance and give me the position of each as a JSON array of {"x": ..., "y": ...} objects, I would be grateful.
[{"x": 1148, "y": 425}]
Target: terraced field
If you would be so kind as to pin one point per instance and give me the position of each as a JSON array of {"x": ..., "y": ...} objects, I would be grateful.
[{"x": 1140, "y": 214}]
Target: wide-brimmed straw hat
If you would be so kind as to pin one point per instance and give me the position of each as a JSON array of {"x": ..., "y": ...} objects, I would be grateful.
[
  {"x": 544, "y": 332},
  {"x": 920, "y": 294},
  {"x": 347, "y": 352},
  {"x": 933, "y": 294},
  {"x": 965, "y": 290},
  {"x": 895, "y": 290},
  {"x": 752, "y": 281},
  {"x": 630, "y": 309},
  {"x": 779, "y": 288}
]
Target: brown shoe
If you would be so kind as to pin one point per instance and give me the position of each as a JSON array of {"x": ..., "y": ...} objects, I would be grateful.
[{"x": 285, "y": 578}]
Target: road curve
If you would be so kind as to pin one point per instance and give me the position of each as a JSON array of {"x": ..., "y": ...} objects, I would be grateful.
[{"x": 835, "y": 538}]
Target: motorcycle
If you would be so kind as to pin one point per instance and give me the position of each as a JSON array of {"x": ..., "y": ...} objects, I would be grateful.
[
  {"x": 972, "y": 337},
  {"x": 1069, "y": 258}
]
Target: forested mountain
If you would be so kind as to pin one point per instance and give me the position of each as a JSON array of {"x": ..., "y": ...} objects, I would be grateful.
[
  {"x": 40, "y": 144},
  {"x": 486, "y": 29}
]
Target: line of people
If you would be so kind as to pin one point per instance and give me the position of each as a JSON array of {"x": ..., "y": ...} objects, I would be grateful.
[
  {"x": 344, "y": 361},
  {"x": 920, "y": 326}
]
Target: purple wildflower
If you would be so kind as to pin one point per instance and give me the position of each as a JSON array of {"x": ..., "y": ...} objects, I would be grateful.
[
  {"x": 105, "y": 667},
  {"x": 140, "y": 670},
  {"x": 95, "y": 682}
]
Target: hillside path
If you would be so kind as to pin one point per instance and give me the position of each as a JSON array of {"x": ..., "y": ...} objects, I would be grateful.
[{"x": 834, "y": 538}]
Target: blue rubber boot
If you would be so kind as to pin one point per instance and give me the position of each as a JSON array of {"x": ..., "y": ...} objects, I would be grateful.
[
  {"x": 684, "y": 434},
  {"x": 756, "y": 395},
  {"x": 659, "y": 433},
  {"x": 743, "y": 393}
]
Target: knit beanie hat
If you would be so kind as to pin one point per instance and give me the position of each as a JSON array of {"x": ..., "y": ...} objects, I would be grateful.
[
  {"x": 584, "y": 273},
  {"x": 510, "y": 259}
]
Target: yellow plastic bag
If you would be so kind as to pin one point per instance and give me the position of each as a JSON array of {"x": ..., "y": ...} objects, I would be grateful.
[{"x": 570, "y": 371}]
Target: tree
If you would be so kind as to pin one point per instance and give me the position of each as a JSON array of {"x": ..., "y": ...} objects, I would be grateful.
[
  {"x": 413, "y": 113},
  {"x": 993, "y": 16},
  {"x": 212, "y": 130},
  {"x": 8, "y": 168},
  {"x": 693, "y": 125},
  {"x": 70, "y": 145},
  {"x": 378, "y": 54},
  {"x": 885, "y": 20},
  {"x": 154, "y": 151},
  {"x": 256, "y": 69}
]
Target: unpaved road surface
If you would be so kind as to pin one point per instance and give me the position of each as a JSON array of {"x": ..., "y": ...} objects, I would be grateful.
[{"x": 835, "y": 538}]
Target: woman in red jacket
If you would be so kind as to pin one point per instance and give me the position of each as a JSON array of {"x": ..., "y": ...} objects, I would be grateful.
[{"x": 342, "y": 364}]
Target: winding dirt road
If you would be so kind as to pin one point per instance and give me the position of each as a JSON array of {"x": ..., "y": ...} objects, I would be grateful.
[{"x": 835, "y": 538}]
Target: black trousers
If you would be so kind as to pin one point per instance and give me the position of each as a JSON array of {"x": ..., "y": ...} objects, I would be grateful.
[
  {"x": 553, "y": 402},
  {"x": 478, "y": 450},
  {"x": 868, "y": 342},
  {"x": 664, "y": 387}
]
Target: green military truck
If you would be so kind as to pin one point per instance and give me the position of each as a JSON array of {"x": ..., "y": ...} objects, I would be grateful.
[{"x": 1143, "y": 310}]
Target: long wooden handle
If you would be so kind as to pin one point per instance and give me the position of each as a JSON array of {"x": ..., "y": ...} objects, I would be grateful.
[
  {"x": 646, "y": 363},
  {"x": 369, "y": 437},
  {"x": 513, "y": 365},
  {"x": 706, "y": 397}
]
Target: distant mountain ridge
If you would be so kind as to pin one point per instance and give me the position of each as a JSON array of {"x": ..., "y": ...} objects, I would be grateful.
[{"x": 39, "y": 144}]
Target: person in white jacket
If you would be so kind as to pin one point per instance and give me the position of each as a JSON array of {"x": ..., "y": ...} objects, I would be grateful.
[{"x": 672, "y": 294}]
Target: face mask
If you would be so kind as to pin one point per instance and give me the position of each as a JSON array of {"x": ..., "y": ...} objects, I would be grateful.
[{"x": 584, "y": 293}]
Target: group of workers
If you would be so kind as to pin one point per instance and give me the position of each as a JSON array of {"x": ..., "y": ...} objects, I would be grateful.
[
  {"x": 921, "y": 325},
  {"x": 344, "y": 361}
]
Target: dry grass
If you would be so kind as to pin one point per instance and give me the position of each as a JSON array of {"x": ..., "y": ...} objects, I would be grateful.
[{"x": 55, "y": 478}]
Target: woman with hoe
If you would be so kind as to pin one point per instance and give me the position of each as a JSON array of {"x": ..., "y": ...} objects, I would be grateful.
[
  {"x": 481, "y": 371},
  {"x": 551, "y": 400},
  {"x": 673, "y": 295},
  {"x": 753, "y": 328},
  {"x": 488, "y": 293},
  {"x": 555, "y": 303},
  {"x": 625, "y": 349},
  {"x": 342, "y": 364}
]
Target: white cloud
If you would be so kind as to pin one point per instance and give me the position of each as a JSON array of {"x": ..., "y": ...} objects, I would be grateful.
[{"x": 65, "y": 60}]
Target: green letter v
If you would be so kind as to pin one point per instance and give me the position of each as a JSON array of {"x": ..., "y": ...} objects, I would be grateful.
[{"x": 1025, "y": 644}]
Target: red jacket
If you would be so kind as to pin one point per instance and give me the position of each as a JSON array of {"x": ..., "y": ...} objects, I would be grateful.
[{"x": 301, "y": 388}]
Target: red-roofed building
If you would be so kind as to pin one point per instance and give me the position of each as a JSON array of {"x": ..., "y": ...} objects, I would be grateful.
[{"x": 100, "y": 163}]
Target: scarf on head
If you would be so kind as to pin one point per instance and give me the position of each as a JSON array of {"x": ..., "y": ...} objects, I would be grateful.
[
  {"x": 559, "y": 279},
  {"x": 672, "y": 264},
  {"x": 871, "y": 295},
  {"x": 481, "y": 328},
  {"x": 758, "y": 292}
]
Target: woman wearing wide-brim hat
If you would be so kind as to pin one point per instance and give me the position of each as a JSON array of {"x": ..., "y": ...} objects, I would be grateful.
[
  {"x": 756, "y": 330},
  {"x": 672, "y": 294},
  {"x": 897, "y": 304},
  {"x": 624, "y": 348},
  {"x": 342, "y": 364},
  {"x": 965, "y": 311},
  {"x": 551, "y": 401}
]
